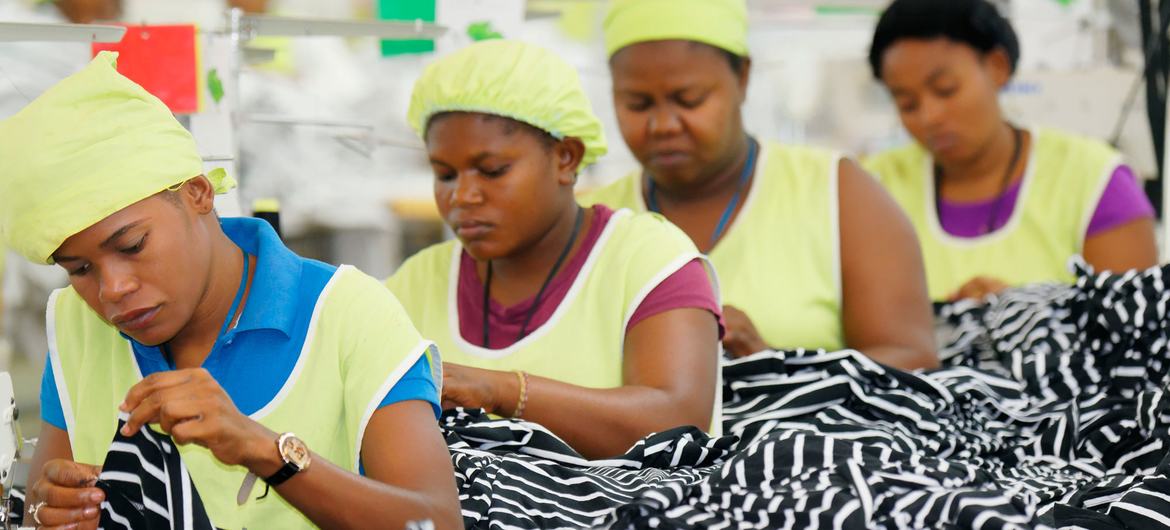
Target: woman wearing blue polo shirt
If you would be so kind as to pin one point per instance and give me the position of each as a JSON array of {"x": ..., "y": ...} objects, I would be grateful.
[{"x": 209, "y": 328}]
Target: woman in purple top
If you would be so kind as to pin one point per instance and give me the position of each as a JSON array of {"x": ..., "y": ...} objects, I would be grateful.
[{"x": 994, "y": 204}]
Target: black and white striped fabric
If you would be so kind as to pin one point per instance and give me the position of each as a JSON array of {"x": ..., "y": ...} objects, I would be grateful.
[
  {"x": 147, "y": 485},
  {"x": 1050, "y": 411}
]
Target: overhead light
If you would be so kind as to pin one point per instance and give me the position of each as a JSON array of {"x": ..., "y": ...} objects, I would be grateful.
[
  {"x": 264, "y": 25},
  {"x": 28, "y": 32}
]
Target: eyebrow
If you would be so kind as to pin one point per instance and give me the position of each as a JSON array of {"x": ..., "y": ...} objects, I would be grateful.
[
  {"x": 934, "y": 75},
  {"x": 119, "y": 233},
  {"x": 481, "y": 156},
  {"x": 937, "y": 73},
  {"x": 105, "y": 244},
  {"x": 477, "y": 158},
  {"x": 697, "y": 85}
]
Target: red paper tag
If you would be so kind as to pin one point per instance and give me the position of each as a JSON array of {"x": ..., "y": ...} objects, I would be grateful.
[{"x": 164, "y": 60}]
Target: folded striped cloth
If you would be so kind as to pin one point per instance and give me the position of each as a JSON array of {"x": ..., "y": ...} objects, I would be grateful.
[
  {"x": 147, "y": 485},
  {"x": 1051, "y": 410}
]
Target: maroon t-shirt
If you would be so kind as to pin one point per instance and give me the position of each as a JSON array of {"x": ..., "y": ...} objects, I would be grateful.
[{"x": 689, "y": 287}]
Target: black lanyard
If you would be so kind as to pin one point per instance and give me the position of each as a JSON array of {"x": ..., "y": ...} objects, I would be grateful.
[
  {"x": 487, "y": 285},
  {"x": 227, "y": 321},
  {"x": 1003, "y": 185},
  {"x": 744, "y": 176}
]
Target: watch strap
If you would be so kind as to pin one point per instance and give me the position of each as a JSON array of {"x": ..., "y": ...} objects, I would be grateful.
[
  {"x": 284, "y": 473},
  {"x": 290, "y": 467}
]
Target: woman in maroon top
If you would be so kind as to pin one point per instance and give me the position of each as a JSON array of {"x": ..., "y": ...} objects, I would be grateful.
[{"x": 539, "y": 306}]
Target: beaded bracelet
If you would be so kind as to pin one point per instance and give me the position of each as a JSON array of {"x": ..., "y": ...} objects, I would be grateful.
[{"x": 523, "y": 400}]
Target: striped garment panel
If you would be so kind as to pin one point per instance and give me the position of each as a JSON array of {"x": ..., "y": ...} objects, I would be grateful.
[
  {"x": 147, "y": 485},
  {"x": 1050, "y": 411}
]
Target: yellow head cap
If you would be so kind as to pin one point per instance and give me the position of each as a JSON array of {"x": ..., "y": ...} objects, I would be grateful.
[
  {"x": 91, "y": 145},
  {"x": 512, "y": 79},
  {"x": 719, "y": 23}
]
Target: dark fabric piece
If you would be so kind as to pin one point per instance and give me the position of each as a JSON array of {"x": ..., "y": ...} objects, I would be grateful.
[{"x": 147, "y": 485}]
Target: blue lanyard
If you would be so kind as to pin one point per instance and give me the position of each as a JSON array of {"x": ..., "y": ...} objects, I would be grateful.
[{"x": 749, "y": 167}]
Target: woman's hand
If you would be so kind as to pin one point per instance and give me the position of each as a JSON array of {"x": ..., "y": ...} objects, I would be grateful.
[
  {"x": 740, "y": 337},
  {"x": 474, "y": 388},
  {"x": 979, "y": 288},
  {"x": 69, "y": 494},
  {"x": 191, "y": 407}
]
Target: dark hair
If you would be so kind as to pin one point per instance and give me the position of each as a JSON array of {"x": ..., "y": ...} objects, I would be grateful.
[
  {"x": 172, "y": 196},
  {"x": 510, "y": 126},
  {"x": 976, "y": 23},
  {"x": 736, "y": 61}
]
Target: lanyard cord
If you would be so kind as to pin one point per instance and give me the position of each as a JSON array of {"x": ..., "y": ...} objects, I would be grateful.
[
  {"x": 227, "y": 322},
  {"x": 744, "y": 176},
  {"x": 487, "y": 285},
  {"x": 1003, "y": 185}
]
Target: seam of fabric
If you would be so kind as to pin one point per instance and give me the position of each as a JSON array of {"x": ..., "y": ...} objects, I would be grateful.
[
  {"x": 302, "y": 358},
  {"x": 835, "y": 227},
  {"x": 1091, "y": 208},
  {"x": 1014, "y": 221},
  {"x": 656, "y": 280},
  {"x": 380, "y": 394},
  {"x": 559, "y": 313},
  {"x": 55, "y": 364}
]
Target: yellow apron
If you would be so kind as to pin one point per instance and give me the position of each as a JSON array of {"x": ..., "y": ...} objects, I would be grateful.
[
  {"x": 582, "y": 342},
  {"x": 348, "y": 364},
  {"x": 1063, "y": 182},
  {"x": 779, "y": 260}
]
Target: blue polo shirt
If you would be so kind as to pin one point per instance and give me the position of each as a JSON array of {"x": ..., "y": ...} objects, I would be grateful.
[{"x": 253, "y": 360}]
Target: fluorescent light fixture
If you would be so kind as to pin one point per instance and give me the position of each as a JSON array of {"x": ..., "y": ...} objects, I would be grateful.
[
  {"x": 26, "y": 32},
  {"x": 264, "y": 25}
]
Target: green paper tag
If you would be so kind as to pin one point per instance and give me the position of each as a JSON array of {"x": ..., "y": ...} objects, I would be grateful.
[
  {"x": 214, "y": 85},
  {"x": 407, "y": 11},
  {"x": 482, "y": 31}
]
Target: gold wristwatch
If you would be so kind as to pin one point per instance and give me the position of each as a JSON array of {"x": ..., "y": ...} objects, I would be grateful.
[{"x": 296, "y": 458}]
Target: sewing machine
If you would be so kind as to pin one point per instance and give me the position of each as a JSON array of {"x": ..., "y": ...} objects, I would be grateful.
[{"x": 11, "y": 503}]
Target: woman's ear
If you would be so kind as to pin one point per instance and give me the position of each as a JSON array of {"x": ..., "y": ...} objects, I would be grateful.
[
  {"x": 568, "y": 154},
  {"x": 744, "y": 76},
  {"x": 999, "y": 67},
  {"x": 199, "y": 195}
]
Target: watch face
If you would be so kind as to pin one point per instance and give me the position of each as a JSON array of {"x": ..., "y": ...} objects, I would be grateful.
[{"x": 294, "y": 451}]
